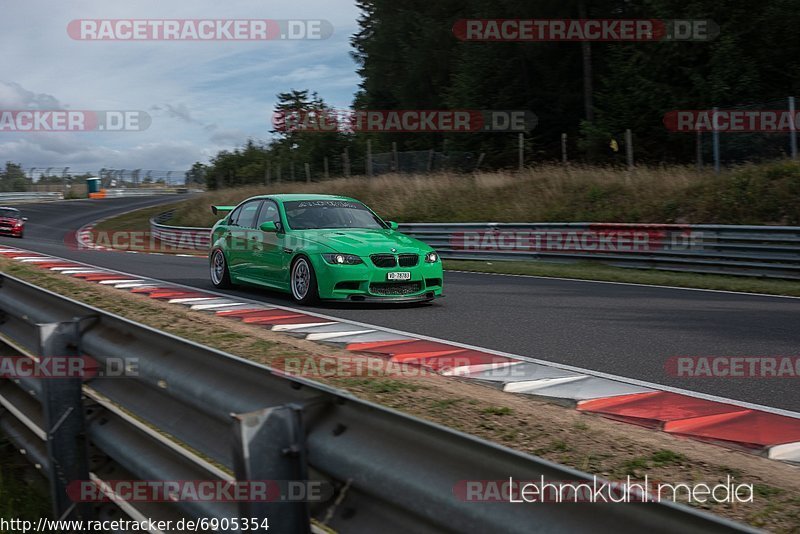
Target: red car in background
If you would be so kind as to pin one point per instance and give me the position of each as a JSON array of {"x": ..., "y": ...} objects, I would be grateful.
[{"x": 12, "y": 222}]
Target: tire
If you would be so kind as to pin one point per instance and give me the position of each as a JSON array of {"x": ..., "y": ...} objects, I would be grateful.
[
  {"x": 303, "y": 286},
  {"x": 218, "y": 267}
]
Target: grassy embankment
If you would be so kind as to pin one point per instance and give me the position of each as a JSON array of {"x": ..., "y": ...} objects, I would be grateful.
[{"x": 753, "y": 194}]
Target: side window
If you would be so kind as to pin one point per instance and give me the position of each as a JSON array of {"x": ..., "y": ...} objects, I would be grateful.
[
  {"x": 245, "y": 215},
  {"x": 233, "y": 216},
  {"x": 269, "y": 212},
  {"x": 247, "y": 218}
]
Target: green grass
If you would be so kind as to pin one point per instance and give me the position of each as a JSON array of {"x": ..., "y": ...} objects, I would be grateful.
[
  {"x": 138, "y": 220},
  {"x": 750, "y": 194},
  {"x": 19, "y": 498},
  {"x": 593, "y": 271},
  {"x": 667, "y": 457},
  {"x": 498, "y": 410},
  {"x": 444, "y": 404},
  {"x": 380, "y": 386}
]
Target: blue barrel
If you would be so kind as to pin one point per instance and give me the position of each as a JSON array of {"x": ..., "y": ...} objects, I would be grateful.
[{"x": 93, "y": 185}]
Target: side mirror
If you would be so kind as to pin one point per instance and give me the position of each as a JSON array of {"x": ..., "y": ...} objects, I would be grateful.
[
  {"x": 24, "y": 219},
  {"x": 393, "y": 225},
  {"x": 269, "y": 226}
]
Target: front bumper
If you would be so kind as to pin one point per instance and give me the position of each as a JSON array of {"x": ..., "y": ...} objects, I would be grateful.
[
  {"x": 425, "y": 297},
  {"x": 366, "y": 283},
  {"x": 16, "y": 232}
]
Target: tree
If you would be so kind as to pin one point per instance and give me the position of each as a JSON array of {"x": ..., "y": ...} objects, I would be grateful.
[{"x": 13, "y": 178}]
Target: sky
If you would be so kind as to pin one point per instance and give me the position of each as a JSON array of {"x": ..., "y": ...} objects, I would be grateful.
[{"x": 202, "y": 96}]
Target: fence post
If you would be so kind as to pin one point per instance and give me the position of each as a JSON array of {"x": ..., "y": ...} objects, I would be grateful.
[
  {"x": 629, "y": 148},
  {"x": 308, "y": 172},
  {"x": 715, "y": 136},
  {"x": 325, "y": 165},
  {"x": 346, "y": 162},
  {"x": 395, "y": 162},
  {"x": 64, "y": 420},
  {"x": 792, "y": 129},
  {"x": 480, "y": 160},
  {"x": 269, "y": 445},
  {"x": 266, "y": 175},
  {"x": 430, "y": 160},
  {"x": 369, "y": 157},
  {"x": 521, "y": 151},
  {"x": 291, "y": 172},
  {"x": 279, "y": 173},
  {"x": 699, "y": 147},
  {"x": 564, "y": 159}
]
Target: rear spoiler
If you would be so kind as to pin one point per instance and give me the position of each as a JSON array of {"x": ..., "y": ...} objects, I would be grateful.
[{"x": 221, "y": 210}]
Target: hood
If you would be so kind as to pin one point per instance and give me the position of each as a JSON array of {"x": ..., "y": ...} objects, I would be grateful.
[
  {"x": 363, "y": 242},
  {"x": 9, "y": 220}
]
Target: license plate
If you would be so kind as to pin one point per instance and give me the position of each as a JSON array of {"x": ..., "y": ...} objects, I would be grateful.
[{"x": 398, "y": 276}]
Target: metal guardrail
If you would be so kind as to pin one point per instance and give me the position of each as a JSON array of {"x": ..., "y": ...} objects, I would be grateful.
[
  {"x": 143, "y": 192},
  {"x": 233, "y": 419},
  {"x": 21, "y": 196},
  {"x": 762, "y": 251},
  {"x": 185, "y": 237}
]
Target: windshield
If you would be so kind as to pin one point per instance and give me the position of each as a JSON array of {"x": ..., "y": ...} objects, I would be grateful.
[
  {"x": 317, "y": 214},
  {"x": 8, "y": 212}
]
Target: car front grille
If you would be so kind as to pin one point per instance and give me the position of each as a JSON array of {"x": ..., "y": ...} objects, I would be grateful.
[
  {"x": 401, "y": 288},
  {"x": 408, "y": 260},
  {"x": 388, "y": 261},
  {"x": 385, "y": 261}
]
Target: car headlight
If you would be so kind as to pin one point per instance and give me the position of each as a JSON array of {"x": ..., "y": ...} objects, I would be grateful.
[
  {"x": 342, "y": 259},
  {"x": 431, "y": 257}
]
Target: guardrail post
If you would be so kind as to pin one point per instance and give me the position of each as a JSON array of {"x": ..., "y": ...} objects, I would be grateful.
[
  {"x": 269, "y": 445},
  {"x": 64, "y": 420}
]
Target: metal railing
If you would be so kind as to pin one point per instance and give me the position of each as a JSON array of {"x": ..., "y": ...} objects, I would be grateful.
[
  {"x": 143, "y": 192},
  {"x": 184, "y": 237},
  {"x": 762, "y": 251},
  {"x": 228, "y": 418},
  {"x": 20, "y": 197}
]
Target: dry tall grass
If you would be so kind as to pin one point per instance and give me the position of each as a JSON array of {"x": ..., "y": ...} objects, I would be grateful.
[{"x": 552, "y": 193}]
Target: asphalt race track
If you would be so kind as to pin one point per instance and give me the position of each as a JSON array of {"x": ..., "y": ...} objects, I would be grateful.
[{"x": 619, "y": 329}]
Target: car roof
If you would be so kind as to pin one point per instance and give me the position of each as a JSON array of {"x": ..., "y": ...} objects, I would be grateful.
[
  {"x": 298, "y": 196},
  {"x": 8, "y": 208}
]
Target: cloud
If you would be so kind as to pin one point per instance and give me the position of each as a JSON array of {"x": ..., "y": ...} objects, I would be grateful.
[
  {"x": 203, "y": 96},
  {"x": 229, "y": 137},
  {"x": 15, "y": 97}
]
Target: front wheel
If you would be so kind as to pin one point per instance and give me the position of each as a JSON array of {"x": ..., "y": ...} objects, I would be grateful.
[
  {"x": 304, "y": 282},
  {"x": 220, "y": 276}
]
